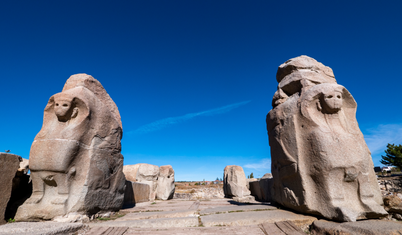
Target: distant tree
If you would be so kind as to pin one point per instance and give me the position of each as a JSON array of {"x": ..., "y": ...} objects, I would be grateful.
[
  {"x": 221, "y": 179},
  {"x": 217, "y": 178},
  {"x": 393, "y": 156},
  {"x": 251, "y": 175}
]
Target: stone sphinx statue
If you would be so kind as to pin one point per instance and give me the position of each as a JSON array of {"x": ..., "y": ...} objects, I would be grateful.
[
  {"x": 320, "y": 162},
  {"x": 75, "y": 159}
]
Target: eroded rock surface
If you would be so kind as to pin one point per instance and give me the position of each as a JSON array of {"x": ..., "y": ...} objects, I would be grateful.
[
  {"x": 75, "y": 159},
  {"x": 235, "y": 182},
  {"x": 148, "y": 174},
  {"x": 320, "y": 161},
  {"x": 9, "y": 164},
  {"x": 165, "y": 184}
]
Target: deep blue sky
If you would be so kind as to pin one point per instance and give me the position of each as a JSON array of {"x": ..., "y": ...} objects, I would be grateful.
[{"x": 193, "y": 80}]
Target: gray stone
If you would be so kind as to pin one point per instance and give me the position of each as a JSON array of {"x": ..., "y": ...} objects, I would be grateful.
[
  {"x": 320, "y": 161},
  {"x": 234, "y": 182},
  {"x": 43, "y": 228},
  {"x": 72, "y": 218},
  {"x": 9, "y": 164},
  {"x": 249, "y": 181},
  {"x": 255, "y": 190},
  {"x": 266, "y": 189},
  {"x": 222, "y": 230},
  {"x": 367, "y": 227},
  {"x": 236, "y": 208},
  {"x": 255, "y": 217},
  {"x": 152, "y": 223},
  {"x": 130, "y": 171},
  {"x": 165, "y": 183},
  {"x": 75, "y": 159},
  {"x": 267, "y": 176},
  {"x": 24, "y": 166},
  {"x": 136, "y": 192},
  {"x": 148, "y": 174},
  {"x": 158, "y": 215}
]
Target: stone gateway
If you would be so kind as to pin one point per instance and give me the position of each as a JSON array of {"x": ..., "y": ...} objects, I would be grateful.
[
  {"x": 320, "y": 162},
  {"x": 75, "y": 159}
]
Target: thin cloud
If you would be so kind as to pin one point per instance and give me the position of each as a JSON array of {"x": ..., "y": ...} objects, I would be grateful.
[
  {"x": 264, "y": 164},
  {"x": 163, "y": 123},
  {"x": 377, "y": 138}
]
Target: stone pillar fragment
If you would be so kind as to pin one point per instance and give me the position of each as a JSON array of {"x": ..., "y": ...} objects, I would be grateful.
[
  {"x": 166, "y": 187},
  {"x": 235, "y": 182}
]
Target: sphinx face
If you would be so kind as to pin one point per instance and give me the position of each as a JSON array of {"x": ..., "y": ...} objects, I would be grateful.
[
  {"x": 332, "y": 102},
  {"x": 63, "y": 108}
]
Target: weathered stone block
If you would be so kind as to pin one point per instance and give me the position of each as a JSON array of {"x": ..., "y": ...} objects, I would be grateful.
[
  {"x": 9, "y": 164},
  {"x": 75, "y": 159},
  {"x": 235, "y": 182},
  {"x": 165, "y": 184},
  {"x": 320, "y": 161},
  {"x": 136, "y": 192}
]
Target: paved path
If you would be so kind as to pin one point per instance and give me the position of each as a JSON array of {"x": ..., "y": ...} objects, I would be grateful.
[{"x": 215, "y": 216}]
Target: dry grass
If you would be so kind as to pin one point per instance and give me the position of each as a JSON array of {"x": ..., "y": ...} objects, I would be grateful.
[{"x": 186, "y": 187}]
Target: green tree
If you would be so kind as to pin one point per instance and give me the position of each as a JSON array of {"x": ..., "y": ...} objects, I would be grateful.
[
  {"x": 393, "y": 156},
  {"x": 251, "y": 175}
]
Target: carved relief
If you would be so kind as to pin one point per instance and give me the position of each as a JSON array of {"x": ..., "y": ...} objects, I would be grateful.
[
  {"x": 75, "y": 159},
  {"x": 320, "y": 161}
]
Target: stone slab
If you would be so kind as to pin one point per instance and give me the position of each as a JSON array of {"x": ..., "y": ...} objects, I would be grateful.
[
  {"x": 152, "y": 223},
  {"x": 244, "y": 230},
  {"x": 255, "y": 217},
  {"x": 366, "y": 227},
  {"x": 157, "y": 215},
  {"x": 158, "y": 205},
  {"x": 42, "y": 228},
  {"x": 242, "y": 208}
]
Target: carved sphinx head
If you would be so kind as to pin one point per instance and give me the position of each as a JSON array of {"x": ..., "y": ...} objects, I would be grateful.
[
  {"x": 331, "y": 101},
  {"x": 64, "y": 107}
]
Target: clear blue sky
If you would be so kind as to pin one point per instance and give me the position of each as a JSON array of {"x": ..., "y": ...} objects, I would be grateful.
[{"x": 194, "y": 80}]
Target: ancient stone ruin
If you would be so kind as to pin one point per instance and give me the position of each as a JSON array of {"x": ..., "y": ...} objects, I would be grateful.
[
  {"x": 235, "y": 184},
  {"x": 146, "y": 182},
  {"x": 75, "y": 159},
  {"x": 165, "y": 184},
  {"x": 9, "y": 164},
  {"x": 320, "y": 162}
]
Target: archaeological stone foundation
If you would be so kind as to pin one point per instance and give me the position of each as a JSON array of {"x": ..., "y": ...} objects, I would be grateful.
[{"x": 321, "y": 164}]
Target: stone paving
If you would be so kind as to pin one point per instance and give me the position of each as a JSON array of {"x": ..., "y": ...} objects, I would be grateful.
[{"x": 215, "y": 216}]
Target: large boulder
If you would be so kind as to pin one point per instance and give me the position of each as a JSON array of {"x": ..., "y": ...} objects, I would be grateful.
[
  {"x": 148, "y": 174},
  {"x": 235, "y": 182},
  {"x": 320, "y": 161},
  {"x": 130, "y": 171},
  {"x": 165, "y": 185},
  {"x": 9, "y": 164},
  {"x": 75, "y": 159}
]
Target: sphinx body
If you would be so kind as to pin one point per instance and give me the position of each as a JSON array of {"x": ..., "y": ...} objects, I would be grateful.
[
  {"x": 320, "y": 161},
  {"x": 75, "y": 159}
]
